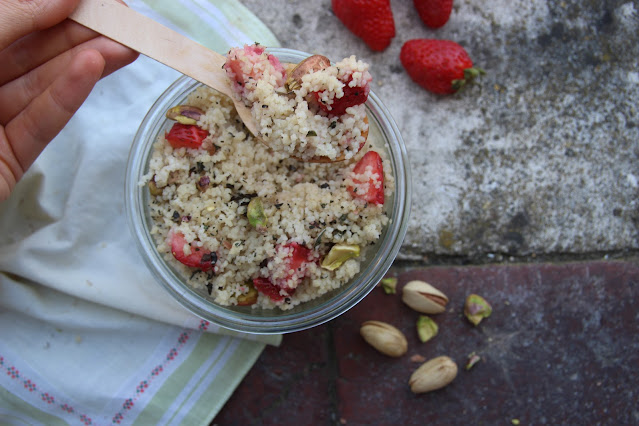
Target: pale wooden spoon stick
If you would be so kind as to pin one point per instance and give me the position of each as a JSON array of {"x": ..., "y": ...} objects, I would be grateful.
[{"x": 146, "y": 36}]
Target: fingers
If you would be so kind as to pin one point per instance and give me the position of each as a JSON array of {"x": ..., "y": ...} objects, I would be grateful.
[
  {"x": 8, "y": 167},
  {"x": 37, "y": 48},
  {"x": 31, "y": 130},
  {"x": 33, "y": 50},
  {"x": 19, "y": 18},
  {"x": 23, "y": 90}
]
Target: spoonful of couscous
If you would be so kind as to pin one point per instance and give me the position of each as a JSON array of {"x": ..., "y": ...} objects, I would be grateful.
[{"x": 312, "y": 111}]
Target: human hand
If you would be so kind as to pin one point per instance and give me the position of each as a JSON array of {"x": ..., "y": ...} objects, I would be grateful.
[{"x": 50, "y": 65}]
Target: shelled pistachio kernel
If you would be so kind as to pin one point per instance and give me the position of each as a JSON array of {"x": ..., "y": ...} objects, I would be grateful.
[
  {"x": 389, "y": 285},
  {"x": 248, "y": 298},
  {"x": 255, "y": 214},
  {"x": 426, "y": 328},
  {"x": 153, "y": 187},
  {"x": 476, "y": 309},
  {"x": 424, "y": 298},
  {"x": 473, "y": 359},
  {"x": 433, "y": 375},
  {"x": 184, "y": 114},
  {"x": 385, "y": 338},
  {"x": 339, "y": 254}
]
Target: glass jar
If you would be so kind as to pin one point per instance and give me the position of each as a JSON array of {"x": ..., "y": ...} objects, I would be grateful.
[{"x": 382, "y": 129}]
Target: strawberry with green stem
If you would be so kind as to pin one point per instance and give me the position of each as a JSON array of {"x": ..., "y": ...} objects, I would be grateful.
[{"x": 440, "y": 66}]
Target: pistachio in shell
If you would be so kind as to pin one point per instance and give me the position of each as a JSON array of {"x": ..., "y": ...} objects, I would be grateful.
[
  {"x": 184, "y": 114},
  {"x": 423, "y": 297},
  {"x": 385, "y": 338},
  {"x": 433, "y": 375}
]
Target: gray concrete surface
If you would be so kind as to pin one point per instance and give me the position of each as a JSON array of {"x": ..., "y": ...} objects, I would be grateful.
[{"x": 541, "y": 157}]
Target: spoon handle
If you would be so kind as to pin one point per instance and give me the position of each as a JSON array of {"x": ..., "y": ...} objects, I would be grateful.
[{"x": 144, "y": 35}]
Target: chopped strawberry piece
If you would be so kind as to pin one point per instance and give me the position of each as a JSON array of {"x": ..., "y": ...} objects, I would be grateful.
[
  {"x": 266, "y": 287},
  {"x": 352, "y": 96},
  {"x": 372, "y": 189},
  {"x": 296, "y": 261},
  {"x": 199, "y": 258},
  {"x": 288, "y": 274},
  {"x": 186, "y": 136}
]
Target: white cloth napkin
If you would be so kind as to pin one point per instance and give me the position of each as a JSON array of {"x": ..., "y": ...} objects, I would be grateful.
[{"x": 88, "y": 336}]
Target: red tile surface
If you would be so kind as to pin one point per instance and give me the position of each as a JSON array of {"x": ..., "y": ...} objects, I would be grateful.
[{"x": 562, "y": 346}]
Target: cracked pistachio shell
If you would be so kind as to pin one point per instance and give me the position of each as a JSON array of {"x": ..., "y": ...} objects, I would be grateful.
[
  {"x": 424, "y": 298},
  {"x": 385, "y": 338},
  {"x": 433, "y": 375},
  {"x": 309, "y": 65},
  {"x": 476, "y": 308},
  {"x": 184, "y": 114},
  {"x": 255, "y": 214},
  {"x": 339, "y": 254},
  {"x": 426, "y": 328}
]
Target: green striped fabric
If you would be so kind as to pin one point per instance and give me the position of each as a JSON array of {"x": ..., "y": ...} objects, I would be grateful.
[
  {"x": 217, "y": 24},
  {"x": 101, "y": 365},
  {"x": 208, "y": 382}
]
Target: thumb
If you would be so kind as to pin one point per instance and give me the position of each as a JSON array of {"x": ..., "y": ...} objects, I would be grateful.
[{"x": 21, "y": 17}]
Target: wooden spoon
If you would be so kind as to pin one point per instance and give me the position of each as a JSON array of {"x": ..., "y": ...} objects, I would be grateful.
[
  {"x": 146, "y": 36},
  {"x": 150, "y": 38}
]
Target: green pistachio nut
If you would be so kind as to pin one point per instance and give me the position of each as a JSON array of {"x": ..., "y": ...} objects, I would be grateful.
[
  {"x": 255, "y": 214},
  {"x": 389, "y": 285},
  {"x": 339, "y": 254},
  {"x": 426, "y": 328},
  {"x": 473, "y": 359},
  {"x": 153, "y": 188},
  {"x": 248, "y": 298},
  {"x": 476, "y": 309}
]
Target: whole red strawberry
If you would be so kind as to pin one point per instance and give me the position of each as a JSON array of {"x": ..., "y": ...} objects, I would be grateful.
[
  {"x": 371, "y": 20},
  {"x": 434, "y": 13},
  {"x": 441, "y": 66}
]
